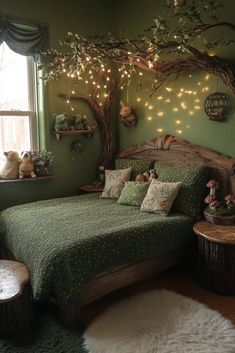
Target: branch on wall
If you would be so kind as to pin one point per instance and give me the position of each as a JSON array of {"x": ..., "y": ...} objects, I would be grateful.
[{"x": 103, "y": 118}]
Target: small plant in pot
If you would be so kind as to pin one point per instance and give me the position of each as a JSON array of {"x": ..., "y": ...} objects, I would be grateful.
[
  {"x": 219, "y": 211},
  {"x": 42, "y": 161}
]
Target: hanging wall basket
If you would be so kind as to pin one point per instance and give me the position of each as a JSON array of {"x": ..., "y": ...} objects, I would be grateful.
[{"x": 217, "y": 106}]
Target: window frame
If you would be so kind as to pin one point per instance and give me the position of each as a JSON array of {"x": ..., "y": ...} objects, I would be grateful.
[{"x": 33, "y": 104}]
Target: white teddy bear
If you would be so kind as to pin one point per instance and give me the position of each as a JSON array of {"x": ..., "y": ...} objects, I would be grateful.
[{"x": 10, "y": 169}]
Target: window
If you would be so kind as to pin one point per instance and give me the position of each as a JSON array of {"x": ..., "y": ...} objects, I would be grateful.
[{"x": 18, "y": 118}]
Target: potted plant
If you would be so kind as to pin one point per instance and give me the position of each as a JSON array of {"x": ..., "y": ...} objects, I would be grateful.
[
  {"x": 219, "y": 211},
  {"x": 42, "y": 161}
]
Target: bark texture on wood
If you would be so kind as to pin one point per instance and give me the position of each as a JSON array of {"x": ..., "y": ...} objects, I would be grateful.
[
  {"x": 216, "y": 270},
  {"x": 172, "y": 150}
]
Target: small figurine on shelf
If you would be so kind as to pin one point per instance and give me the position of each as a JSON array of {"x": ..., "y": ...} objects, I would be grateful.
[
  {"x": 10, "y": 169},
  {"x": 61, "y": 122}
]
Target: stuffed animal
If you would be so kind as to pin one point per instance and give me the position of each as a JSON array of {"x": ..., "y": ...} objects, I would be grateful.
[
  {"x": 10, "y": 169},
  {"x": 152, "y": 174},
  {"x": 141, "y": 177},
  {"x": 26, "y": 168},
  {"x": 61, "y": 122},
  {"x": 127, "y": 115}
]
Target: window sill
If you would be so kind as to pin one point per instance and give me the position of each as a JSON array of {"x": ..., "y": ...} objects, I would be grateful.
[{"x": 4, "y": 181}]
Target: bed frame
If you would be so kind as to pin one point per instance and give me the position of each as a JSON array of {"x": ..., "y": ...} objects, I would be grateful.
[{"x": 171, "y": 150}]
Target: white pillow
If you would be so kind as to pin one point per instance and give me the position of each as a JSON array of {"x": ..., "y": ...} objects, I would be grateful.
[
  {"x": 114, "y": 182},
  {"x": 160, "y": 197}
]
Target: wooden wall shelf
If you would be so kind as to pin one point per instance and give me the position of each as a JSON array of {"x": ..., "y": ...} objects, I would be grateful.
[
  {"x": 60, "y": 134},
  {"x": 5, "y": 181}
]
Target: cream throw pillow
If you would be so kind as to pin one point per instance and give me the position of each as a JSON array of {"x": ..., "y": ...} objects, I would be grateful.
[
  {"x": 160, "y": 197},
  {"x": 114, "y": 182}
]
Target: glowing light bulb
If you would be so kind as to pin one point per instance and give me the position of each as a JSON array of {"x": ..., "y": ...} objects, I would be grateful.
[
  {"x": 175, "y": 109},
  {"x": 160, "y": 113},
  {"x": 105, "y": 95},
  {"x": 149, "y": 118},
  {"x": 168, "y": 89},
  {"x": 197, "y": 107},
  {"x": 183, "y": 105},
  {"x": 191, "y": 112},
  {"x": 190, "y": 76},
  {"x": 146, "y": 104},
  {"x": 199, "y": 83},
  {"x": 160, "y": 130},
  {"x": 197, "y": 100},
  {"x": 67, "y": 101},
  {"x": 73, "y": 92},
  {"x": 182, "y": 89},
  {"x": 207, "y": 77},
  {"x": 150, "y": 107},
  {"x": 108, "y": 79},
  {"x": 179, "y": 94},
  {"x": 138, "y": 99},
  {"x": 141, "y": 73},
  {"x": 178, "y": 122},
  {"x": 159, "y": 97},
  {"x": 86, "y": 82},
  {"x": 179, "y": 131},
  {"x": 167, "y": 100},
  {"x": 72, "y": 108}
]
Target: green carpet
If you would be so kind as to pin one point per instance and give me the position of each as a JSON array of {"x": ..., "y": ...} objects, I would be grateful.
[{"x": 47, "y": 335}]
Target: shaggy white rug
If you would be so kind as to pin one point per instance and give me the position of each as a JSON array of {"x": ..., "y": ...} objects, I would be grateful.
[{"x": 160, "y": 322}]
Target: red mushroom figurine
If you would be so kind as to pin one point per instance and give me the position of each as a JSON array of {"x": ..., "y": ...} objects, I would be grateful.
[
  {"x": 230, "y": 200},
  {"x": 209, "y": 199},
  {"x": 213, "y": 205},
  {"x": 212, "y": 185}
]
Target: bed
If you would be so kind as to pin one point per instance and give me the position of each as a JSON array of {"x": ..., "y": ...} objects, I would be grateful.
[{"x": 80, "y": 248}]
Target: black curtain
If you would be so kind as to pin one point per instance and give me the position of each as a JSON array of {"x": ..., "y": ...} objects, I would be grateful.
[{"x": 23, "y": 39}]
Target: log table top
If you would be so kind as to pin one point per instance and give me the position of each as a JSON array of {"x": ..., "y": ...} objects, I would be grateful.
[
  {"x": 215, "y": 233},
  {"x": 13, "y": 277}
]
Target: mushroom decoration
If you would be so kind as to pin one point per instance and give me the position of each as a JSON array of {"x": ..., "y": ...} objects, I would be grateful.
[
  {"x": 230, "y": 200},
  {"x": 212, "y": 185},
  {"x": 209, "y": 199},
  {"x": 214, "y": 205}
]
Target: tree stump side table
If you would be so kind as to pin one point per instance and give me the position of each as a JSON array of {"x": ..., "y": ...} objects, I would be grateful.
[
  {"x": 216, "y": 257},
  {"x": 15, "y": 303}
]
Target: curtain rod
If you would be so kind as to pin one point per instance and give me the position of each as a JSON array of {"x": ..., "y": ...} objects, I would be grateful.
[{"x": 23, "y": 21}]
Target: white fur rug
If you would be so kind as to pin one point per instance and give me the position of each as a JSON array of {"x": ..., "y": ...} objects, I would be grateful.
[{"x": 160, "y": 322}]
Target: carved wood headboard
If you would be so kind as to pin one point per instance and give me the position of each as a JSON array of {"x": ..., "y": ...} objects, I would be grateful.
[{"x": 173, "y": 150}]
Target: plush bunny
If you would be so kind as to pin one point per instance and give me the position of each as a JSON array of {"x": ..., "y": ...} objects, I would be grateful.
[{"x": 10, "y": 169}]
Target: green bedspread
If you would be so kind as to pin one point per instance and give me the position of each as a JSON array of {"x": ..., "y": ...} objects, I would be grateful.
[{"x": 66, "y": 242}]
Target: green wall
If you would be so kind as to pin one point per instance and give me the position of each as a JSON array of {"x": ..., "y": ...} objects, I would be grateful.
[
  {"x": 88, "y": 18},
  {"x": 92, "y": 17},
  {"x": 134, "y": 17}
]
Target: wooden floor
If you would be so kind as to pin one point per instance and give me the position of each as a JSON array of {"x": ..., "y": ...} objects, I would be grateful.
[{"x": 179, "y": 280}]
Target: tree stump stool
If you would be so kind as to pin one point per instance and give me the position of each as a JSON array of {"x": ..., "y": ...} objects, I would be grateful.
[
  {"x": 15, "y": 304},
  {"x": 216, "y": 257}
]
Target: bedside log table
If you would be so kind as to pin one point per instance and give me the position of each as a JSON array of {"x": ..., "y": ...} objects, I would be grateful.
[
  {"x": 15, "y": 303},
  {"x": 216, "y": 257},
  {"x": 92, "y": 188}
]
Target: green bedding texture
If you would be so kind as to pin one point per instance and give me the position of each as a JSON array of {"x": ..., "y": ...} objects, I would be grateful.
[{"x": 66, "y": 242}]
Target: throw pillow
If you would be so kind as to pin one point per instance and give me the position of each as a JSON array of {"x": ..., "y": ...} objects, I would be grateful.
[
  {"x": 133, "y": 193},
  {"x": 192, "y": 192},
  {"x": 139, "y": 166},
  {"x": 114, "y": 182},
  {"x": 160, "y": 197}
]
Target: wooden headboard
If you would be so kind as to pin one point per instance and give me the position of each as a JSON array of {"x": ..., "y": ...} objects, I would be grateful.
[{"x": 173, "y": 150}]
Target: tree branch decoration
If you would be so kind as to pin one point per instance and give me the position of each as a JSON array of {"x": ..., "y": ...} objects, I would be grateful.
[{"x": 175, "y": 43}]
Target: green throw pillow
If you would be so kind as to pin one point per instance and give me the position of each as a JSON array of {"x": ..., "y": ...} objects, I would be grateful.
[
  {"x": 192, "y": 191},
  {"x": 139, "y": 166},
  {"x": 133, "y": 193}
]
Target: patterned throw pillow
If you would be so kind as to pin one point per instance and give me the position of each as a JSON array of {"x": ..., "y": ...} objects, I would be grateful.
[
  {"x": 139, "y": 166},
  {"x": 133, "y": 193},
  {"x": 160, "y": 197},
  {"x": 114, "y": 182},
  {"x": 192, "y": 192}
]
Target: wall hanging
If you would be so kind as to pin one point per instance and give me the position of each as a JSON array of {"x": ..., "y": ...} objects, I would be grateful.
[{"x": 217, "y": 106}]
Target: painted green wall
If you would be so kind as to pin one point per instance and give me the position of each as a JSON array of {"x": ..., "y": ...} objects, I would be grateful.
[
  {"x": 134, "y": 17},
  {"x": 88, "y": 18},
  {"x": 92, "y": 17}
]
